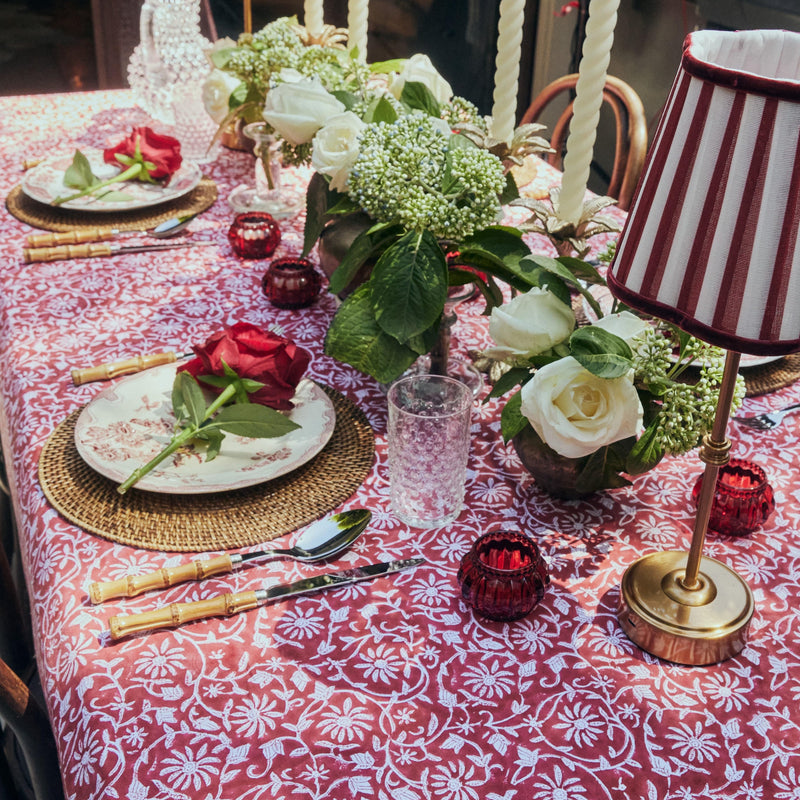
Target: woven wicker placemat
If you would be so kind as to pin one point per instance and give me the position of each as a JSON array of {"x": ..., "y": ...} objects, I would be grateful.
[
  {"x": 770, "y": 377},
  {"x": 215, "y": 521},
  {"x": 63, "y": 219}
]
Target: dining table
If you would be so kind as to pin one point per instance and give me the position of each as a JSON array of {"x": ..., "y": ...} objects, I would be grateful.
[{"x": 389, "y": 688}]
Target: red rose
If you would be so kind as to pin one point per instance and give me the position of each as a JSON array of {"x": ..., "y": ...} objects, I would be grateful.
[
  {"x": 145, "y": 146},
  {"x": 256, "y": 354}
]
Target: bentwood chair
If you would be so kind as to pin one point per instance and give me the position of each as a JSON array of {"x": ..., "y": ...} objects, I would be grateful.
[{"x": 631, "y": 130}]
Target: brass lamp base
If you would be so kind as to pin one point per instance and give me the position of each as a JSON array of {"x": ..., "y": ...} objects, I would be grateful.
[{"x": 701, "y": 625}]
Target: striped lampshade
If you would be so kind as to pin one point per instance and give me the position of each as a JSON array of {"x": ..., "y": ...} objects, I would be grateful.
[{"x": 711, "y": 242}]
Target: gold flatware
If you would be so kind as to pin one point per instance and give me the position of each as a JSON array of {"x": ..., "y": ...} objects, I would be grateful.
[
  {"x": 226, "y": 605},
  {"x": 67, "y": 251},
  {"x": 323, "y": 539},
  {"x": 128, "y": 366},
  {"x": 164, "y": 230}
]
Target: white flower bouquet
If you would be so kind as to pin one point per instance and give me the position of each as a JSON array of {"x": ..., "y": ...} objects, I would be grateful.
[
  {"x": 613, "y": 396},
  {"x": 389, "y": 154}
]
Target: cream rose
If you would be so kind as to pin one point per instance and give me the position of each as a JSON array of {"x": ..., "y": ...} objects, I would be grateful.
[
  {"x": 299, "y": 109},
  {"x": 529, "y": 324},
  {"x": 575, "y": 412},
  {"x": 335, "y": 148},
  {"x": 420, "y": 68},
  {"x": 625, "y": 325},
  {"x": 217, "y": 88}
]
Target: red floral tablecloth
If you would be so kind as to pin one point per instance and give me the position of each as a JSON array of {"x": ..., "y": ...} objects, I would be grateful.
[{"x": 390, "y": 689}]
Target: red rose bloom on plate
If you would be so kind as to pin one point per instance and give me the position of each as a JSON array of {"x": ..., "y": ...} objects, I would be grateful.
[
  {"x": 253, "y": 354},
  {"x": 160, "y": 155}
]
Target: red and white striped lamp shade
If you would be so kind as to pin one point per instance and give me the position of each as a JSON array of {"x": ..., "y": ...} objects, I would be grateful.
[{"x": 711, "y": 242}]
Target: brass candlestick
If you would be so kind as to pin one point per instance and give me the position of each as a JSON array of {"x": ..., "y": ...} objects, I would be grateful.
[{"x": 685, "y": 607}]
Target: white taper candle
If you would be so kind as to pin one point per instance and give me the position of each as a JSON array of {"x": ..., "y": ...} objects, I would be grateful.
[
  {"x": 357, "y": 13},
  {"x": 586, "y": 110},
  {"x": 506, "y": 76},
  {"x": 313, "y": 16}
]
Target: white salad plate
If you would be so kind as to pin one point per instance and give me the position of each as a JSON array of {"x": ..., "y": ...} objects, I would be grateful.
[
  {"x": 45, "y": 183},
  {"x": 129, "y": 423}
]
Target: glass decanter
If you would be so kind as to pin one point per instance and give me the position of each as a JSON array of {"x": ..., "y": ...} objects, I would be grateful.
[
  {"x": 267, "y": 194},
  {"x": 170, "y": 54}
]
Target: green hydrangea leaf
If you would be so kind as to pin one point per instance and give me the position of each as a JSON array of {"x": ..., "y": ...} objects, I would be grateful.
[
  {"x": 409, "y": 285},
  {"x": 384, "y": 67},
  {"x": 501, "y": 252},
  {"x": 601, "y": 352},
  {"x": 364, "y": 246},
  {"x": 417, "y": 96},
  {"x": 381, "y": 111},
  {"x": 511, "y": 191},
  {"x": 354, "y": 337},
  {"x": 253, "y": 420},
  {"x": 602, "y": 471},
  {"x": 318, "y": 198}
]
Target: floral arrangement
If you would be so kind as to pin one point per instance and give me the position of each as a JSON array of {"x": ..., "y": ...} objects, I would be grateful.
[
  {"x": 143, "y": 155},
  {"x": 252, "y": 374},
  {"x": 608, "y": 395},
  {"x": 391, "y": 157},
  {"x": 244, "y": 72}
]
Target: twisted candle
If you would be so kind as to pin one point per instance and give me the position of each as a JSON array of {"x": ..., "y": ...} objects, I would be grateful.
[
  {"x": 506, "y": 76},
  {"x": 586, "y": 110},
  {"x": 312, "y": 16},
  {"x": 357, "y": 26}
]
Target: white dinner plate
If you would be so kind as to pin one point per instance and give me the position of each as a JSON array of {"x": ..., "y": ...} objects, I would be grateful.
[
  {"x": 131, "y": 422},
  {"x": 45, "y": 183}
]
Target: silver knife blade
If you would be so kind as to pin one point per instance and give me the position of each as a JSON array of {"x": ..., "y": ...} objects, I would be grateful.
[
  {"x": 331, "y": 580},
  {"x": 145, "y": 248}
]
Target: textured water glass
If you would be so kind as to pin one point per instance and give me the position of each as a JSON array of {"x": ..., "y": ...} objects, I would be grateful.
[
  {"x": 194, "y": 128},
  {"x": 429, "y": 422}
]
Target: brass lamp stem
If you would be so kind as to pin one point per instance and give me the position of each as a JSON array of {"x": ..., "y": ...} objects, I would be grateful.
[
  {"x": 715, "y": 453},
  {"x": 248, "y": 16}
]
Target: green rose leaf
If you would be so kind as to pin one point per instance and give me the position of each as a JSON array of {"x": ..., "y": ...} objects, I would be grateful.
[
  {"x": 409, "y": 285},
  {"x": 602, "y": 353},
  {"x": 347, "y": 99},
  {"x": 252, "y": 420},
  {"x": 582, "y": 270},
  {"x": 355, "y": 338},
  {"x": 499, "y": 251},
  {"x": 188, "y": 402},
  {"x": 516, "y": 376},
  {"x": 79, "y": 173},
  {"x": 392, "y": 65},
  {"x": 213, "y": 439},
  {"x": 382, "y": 111},
  {"x": 512, "y": 420},
  {"x": 417, "y": 95},
  {"x": 511, "y": 190}
]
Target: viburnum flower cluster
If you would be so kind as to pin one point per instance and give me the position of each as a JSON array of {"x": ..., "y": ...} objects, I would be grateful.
[{"x": 408, "y": 172}]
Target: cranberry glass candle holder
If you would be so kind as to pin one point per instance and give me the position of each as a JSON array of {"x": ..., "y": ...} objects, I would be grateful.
[
  {"x": 254, "y": 234},
  {"x": 503, "y": 576},
  {"x": 291, "y": 283},
  {"x": 743, "y": 500}
]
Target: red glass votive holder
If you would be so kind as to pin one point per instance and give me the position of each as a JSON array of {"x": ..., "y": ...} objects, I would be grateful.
[
  {"x": 254, "y": 234},
  {"x": 503, "y": 576},
  {"x": 291, "y": 283},
  {"x": 743, "y": 500}
]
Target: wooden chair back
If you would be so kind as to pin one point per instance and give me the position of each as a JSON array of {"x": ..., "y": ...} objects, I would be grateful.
[{"x": 631, "y": 130}]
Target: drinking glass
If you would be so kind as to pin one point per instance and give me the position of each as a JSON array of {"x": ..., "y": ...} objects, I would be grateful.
[{"x": 429, "y": 423}]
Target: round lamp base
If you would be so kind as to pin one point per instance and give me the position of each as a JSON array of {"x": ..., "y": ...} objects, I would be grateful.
[{"x": 702, "y": 625}]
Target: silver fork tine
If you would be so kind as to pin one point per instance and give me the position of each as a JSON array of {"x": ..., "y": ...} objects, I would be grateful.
[{"x": 768, "y": 420}]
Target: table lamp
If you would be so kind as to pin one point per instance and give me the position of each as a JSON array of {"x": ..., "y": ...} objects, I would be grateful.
[{"x": 711, "y": 244}]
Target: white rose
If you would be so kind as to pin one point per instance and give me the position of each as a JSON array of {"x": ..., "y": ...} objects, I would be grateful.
[
  {"x": 529, "y": 324},
  {"x": 298, "y": 110},
  {"x": 335, "y": 148},
  {"x": 419, "y": 68},
  {"x": 575, "y": 412},
  {"x": 217, "y": 89},
  {"x": 625, "y": 325}
]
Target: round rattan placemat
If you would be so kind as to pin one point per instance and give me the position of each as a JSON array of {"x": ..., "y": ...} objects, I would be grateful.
[
  {"x": 216, "y": 521},
  {"x": 62, "y": 219},
  {"x": 770, "y": 377}
]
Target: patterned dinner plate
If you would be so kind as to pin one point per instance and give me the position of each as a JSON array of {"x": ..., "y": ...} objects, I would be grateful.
[
  {"x": 45, "y": 183},
  {"x": 131, "y": 422}
]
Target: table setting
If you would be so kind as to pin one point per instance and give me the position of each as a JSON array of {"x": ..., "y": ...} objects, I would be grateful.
[{"x": 277, "y": 547}]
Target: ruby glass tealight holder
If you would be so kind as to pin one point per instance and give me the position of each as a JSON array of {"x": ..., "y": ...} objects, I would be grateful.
[
  {"x": 291, "y": 282},
  {"x": 254, "y": 234},
  {"x": 743, "y": 500},
  {"x": 503, "y": 576}
]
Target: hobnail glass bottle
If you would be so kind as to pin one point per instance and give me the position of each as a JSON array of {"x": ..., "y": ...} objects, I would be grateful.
[{"x": 170, "y": 53}]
